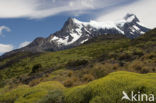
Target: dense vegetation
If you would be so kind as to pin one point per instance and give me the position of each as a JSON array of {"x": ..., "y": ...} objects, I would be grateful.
[
  {"x": 28, "y": 75},
  {"x": 105, "y": 90}
]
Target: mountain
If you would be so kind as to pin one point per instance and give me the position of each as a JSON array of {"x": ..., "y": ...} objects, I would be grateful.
[
  {"x": 82, "y": 74},
  {"x": 92, "y": 60},
  {"x": 75, "y": 33}
]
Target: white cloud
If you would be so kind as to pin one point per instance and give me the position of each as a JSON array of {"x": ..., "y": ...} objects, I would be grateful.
[
  {"x": 24, "y": 44},
  {"x": 144, "y": 9},
  {"x": 35, "y": 9},
  {"x": 5, "y": 48},
  {"x": 45, "y": 8},
  {"x": 2, "y": 28}
]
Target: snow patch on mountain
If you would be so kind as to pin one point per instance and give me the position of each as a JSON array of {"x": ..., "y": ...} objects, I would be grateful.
[
  {"x": 76, "y": 30},
  {"x": 98, "y": 25},
  {"x": 136, "y": 28},
  {"x": 75, "y": 33}
]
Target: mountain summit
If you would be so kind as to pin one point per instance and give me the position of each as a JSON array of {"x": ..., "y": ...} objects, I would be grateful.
[
  {"x": 75, "y": 33},
  {"x": 131, "y": 18}
]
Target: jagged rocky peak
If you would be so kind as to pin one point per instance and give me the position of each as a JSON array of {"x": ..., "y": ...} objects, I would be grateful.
[
  {"x": 70, "y": 24},
  {"x": 75, "y": 33},
  {"x": 71, "y": 20},
  {"x": 131, "y": 18}
]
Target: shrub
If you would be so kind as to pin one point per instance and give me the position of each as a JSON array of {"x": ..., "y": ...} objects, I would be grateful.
[
  {"x": 34, "y": 82},
  {"x": 70, "y": 73},
  {"x": 145, "y": 70},
  {"x": 124, "y": 56},
  {"x": 150, "y": 56},
  {"x": 138, "y": 52},
  {"x": 121, "y": 63},
  {"x": 113, "y": 55},
  {"x": 153, "y": 69},
  {"x": 54, "y": 96},
  {"x": 68, "y": 83},
  {"x": 137, "y": 66},
  {"x": 115, "y": 66},
  {"x": 77, "y": 63},
  {"x": 12, "y": 95},
  {"x": 26, "y": 94},
  {"x": 88, "y": 77},
  {"x": 109, "y": 89},
  {"x": 101, "y": 70},
  {"x": 36, "y": 68},
  {"x": 99, "y": 99}
]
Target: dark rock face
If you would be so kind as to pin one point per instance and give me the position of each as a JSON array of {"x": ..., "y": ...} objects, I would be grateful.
[
  {"x": 133, "y": 16},
  {"x": 132, "y": 28},
  {"x": 75, "y": 33}
]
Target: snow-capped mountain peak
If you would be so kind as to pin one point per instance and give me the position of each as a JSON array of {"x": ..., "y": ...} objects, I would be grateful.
[
  {"x": 131, "y": 18},
  {"x": 75, "y": 33},
  {"x": 95, "y": 24}
]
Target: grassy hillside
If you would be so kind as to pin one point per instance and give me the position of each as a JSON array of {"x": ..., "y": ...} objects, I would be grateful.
[
  {"x": 109, "y": 89},
  {"x": 51, "y": 61},
  {"x": 80, "y": 65},
  {"x": 105, "y": 90},
  {"x": 82, "y": 74}
]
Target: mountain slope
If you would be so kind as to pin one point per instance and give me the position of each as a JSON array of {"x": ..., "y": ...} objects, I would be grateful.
[
  {"x": 75, "y": 33},
  {"x": 94, "y": 59}
]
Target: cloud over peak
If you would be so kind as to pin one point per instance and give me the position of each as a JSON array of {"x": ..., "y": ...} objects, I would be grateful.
[
  {"x": 144, "y": 9},
  {"x": 105, "y": 9},
  {"x": 45, "y": 8}
]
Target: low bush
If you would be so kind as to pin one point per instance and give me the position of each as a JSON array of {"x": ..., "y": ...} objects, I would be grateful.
[
  {"x": 69, "y": 82},
  {"x": 26, "y": 94},
  {"x": 136, "y": 66},
  {"x": 36, "y": 68},
  {"x": 138, "y": 52},
  {"x": 77, "y": 63},
  {"x": 145, "y": 70},
  {"x": 54, "y": 96},
  {"x": 88, "y": 77},
  {"x": 101, "y": 70},
  {"x": 109, "y": 89},
  {"x": 125, "y": 56},
  {"x": 105, "y": 90}
]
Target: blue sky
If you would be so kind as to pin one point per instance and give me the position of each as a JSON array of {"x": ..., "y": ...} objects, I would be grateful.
[{"x": 21, "y": 21}]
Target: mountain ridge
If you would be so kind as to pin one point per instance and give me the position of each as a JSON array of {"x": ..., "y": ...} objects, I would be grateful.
[{"x": 75, "y": 33}]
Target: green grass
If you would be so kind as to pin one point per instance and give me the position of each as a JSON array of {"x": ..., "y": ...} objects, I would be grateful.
[
  {"x": 26, "y": 94},
  {"x": 82, "y": 74},
  {"x": 105, "y": 90},
  {"x": 61, "y": 58},
  {"x": 106, "y": 55},
  {"x": 109, "y": 89}
]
